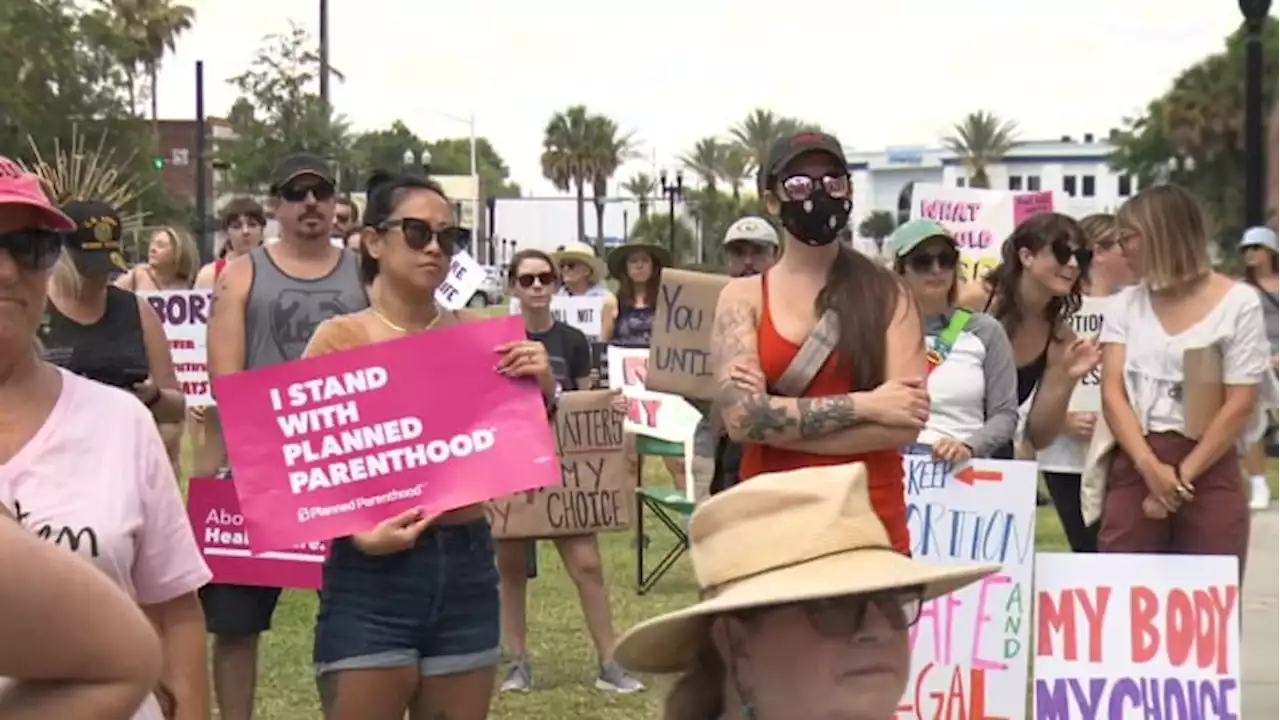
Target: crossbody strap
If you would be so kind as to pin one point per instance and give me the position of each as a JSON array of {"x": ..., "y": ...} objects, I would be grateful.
[
  {"x": 946, "y": 340},
  {"x": 813, "y": 355}
]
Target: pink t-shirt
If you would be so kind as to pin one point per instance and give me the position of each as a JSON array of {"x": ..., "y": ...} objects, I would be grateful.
[{"x": 96, "y": 480}]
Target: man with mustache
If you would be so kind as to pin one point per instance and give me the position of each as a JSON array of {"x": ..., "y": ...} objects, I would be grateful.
[{"x": 266, "y": 304}]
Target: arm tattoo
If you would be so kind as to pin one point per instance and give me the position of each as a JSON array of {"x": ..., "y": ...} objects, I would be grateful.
[
  {"x": 760, "y": 418},
  {"x": 824, "y": 415},
  {"x": 727, "y": 348}
]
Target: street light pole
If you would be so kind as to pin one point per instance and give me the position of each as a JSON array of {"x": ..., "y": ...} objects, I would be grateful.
[
  {"x": 1255, "y": 17},
  {"x": 673, "y": 191},
  {"x": 324, "y": 51}
]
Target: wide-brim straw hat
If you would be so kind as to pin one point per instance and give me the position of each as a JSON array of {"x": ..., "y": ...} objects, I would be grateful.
[
  {"x": 583, "y": 253},
  {"x": 618, "y": 257},
  {"x": 781, "y": 538}
]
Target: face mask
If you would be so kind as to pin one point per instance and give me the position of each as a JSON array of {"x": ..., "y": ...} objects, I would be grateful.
[{"x": 818, "y": 220}]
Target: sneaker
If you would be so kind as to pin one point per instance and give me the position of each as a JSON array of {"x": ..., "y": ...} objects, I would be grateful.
[
  {"x": 614, "y": 679},
  {"x": 519, "y": 677},
  {"x": 1260, "y": 498}
]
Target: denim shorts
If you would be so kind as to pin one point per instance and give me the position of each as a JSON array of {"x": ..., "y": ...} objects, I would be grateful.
[{"x": 434, "y": 606}]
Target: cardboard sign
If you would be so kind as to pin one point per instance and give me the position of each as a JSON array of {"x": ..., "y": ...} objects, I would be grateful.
[
  {"x": 969, "y": 650},
  {"x": 332, "y": 445},
  {"x": 461, "y": 284},
  {"x": 1137, "y": 636},
  {"x": 223, "y": 540},
  {"x": 598, "y": 481},
  {"x": 185, "y": 316},
  {"x": 680, "y": 350}
]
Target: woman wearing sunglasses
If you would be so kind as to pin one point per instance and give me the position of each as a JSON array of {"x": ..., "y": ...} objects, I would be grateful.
[
  {"x": 973, "y": 407},
  {"x": 408, "y": 617},
  {"x": 819, "y": 361},
  {"x": 1033, "y": 293}
]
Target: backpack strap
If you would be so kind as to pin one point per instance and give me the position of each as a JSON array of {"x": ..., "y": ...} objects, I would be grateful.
[
  {"x": 813, "y": 355},
  {"x": 946, "y": 340}
]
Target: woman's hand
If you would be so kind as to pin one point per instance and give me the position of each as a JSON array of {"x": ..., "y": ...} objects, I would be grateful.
[
  {"x": 749, "y": 379},
  {"x": 1081, "y": 357},
  {"x": 619, "y": 402},
  {"x": 897, "y": 403},
  {"x": 1166, "y": 489},
  {"x": 952, "y": 451},
  {"x": 395, "y": 534},
  {"x": 196, "y": 412},
  {"x": 1080, "y": 424},
  {"x": 523, "y": 358}
]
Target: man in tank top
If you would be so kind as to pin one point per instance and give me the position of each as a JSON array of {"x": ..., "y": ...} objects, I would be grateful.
[{"x": 265, "y": 306}]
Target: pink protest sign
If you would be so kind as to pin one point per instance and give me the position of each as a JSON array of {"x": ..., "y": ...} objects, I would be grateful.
[
  {"x": 332, "y": 445},
  {"x": 1033, "y": 203},
  {"x": 220, "y": 534}
]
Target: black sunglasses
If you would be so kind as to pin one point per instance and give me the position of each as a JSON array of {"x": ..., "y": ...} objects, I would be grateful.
[
  {"x": 297, "y": 192},
  {"x": 418, "y": 234},
  {"x": 923, "y": 262},
  {"x": 546, "y": 279},
  {"x": 33, "y": 250},
  {"x": 801, "y": 187},
  {"x": 1063, "y": 252}
]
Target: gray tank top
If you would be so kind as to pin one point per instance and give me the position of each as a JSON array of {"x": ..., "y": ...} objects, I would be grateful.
[{"x": 283, "y": 311}]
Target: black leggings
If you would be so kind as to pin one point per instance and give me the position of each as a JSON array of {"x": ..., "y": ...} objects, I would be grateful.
[{"x": 1064, "y": 489}]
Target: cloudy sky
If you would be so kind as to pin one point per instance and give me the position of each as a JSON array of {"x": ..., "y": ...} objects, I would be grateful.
[{"x": 878, "y": 72}]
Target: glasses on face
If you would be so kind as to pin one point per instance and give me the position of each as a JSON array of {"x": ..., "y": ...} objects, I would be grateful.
[
  {"x": 1063, "y": 252},
  {"x": 569, "y": 266},
  {"x": 342, "y": 218},
  {"x": 801, "y": 187},
  {"x": 296, "y": 192},
  {"x": 32, "y": 250},
  {"x": 545, "y": 279},
  {"x": 418, "y": 234},
  {"x": 923, "y": 262},
  {"x": 842, "y": 617}
]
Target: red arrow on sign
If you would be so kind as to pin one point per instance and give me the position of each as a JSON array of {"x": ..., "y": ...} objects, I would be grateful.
[{"x": 969, "y": 476}]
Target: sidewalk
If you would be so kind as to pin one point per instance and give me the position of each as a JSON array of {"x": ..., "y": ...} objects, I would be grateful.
[{"x": 1261, "y": 668}]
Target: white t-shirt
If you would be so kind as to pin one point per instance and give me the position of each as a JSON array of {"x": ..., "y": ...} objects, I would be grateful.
[
  {"x": 1066, "y": 454},
  {"x": 1153, "y": 358}
]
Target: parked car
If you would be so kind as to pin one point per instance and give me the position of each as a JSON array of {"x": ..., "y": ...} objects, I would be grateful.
[{"x": 492, "y": 288}]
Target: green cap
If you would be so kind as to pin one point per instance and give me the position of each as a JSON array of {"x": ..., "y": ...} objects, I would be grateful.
[{"x": 910, "y": 234}]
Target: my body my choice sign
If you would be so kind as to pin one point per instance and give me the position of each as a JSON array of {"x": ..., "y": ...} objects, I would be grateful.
[{"x": 332, "y": 445}]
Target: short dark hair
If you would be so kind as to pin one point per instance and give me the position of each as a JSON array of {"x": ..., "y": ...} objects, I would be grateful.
[
  {"x": 529, "y": 254},
  {"x": 239, "y": 207},
  {"x": 385, "y": 192}
]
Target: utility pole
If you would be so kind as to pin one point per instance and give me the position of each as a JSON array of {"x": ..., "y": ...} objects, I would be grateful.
[{"x": 324, "y": 51}]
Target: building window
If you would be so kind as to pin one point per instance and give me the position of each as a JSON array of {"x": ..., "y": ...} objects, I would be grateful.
[
  {"x": 1069, "y": 185},
  {"x": 1033, "y": 183},
  {"x": 1087, "y": 186},
  {"x": 1124, "y": 186},
  {"x": 960, "y": 182},
  {"x": 1015, "y": 182}
]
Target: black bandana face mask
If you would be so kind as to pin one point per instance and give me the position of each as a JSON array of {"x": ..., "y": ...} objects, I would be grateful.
[{"x": 816, "y": 220}]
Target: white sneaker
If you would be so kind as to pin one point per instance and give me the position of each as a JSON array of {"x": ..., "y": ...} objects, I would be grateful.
[{"x": 1260, "y": 498}]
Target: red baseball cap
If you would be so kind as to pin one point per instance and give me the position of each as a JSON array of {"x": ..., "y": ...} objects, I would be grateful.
[{"x": 19, "y": 187}]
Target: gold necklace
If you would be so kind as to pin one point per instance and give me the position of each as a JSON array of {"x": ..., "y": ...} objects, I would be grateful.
[{"x": 405, "y": 330}]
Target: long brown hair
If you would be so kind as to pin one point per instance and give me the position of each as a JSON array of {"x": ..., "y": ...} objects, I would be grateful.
[
  {"x": 1034, "y": 234},
  {"x": 628, "y": 290},
  {"x": 864, "y": 295}
]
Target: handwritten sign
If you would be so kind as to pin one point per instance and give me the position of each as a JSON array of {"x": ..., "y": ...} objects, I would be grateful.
[
  {"x": 185, "y": 316},
  {"x": 223, "y": 540},
  {"x": 654, "y": 414},
  {"x": 584, "y": 312},
  {"x": 462, "y": 283},
  {"x": 979, "y": 219},
  {"x": 1027, "y": 204},
  {"x": 331, "y": 445},
  {"x": 680, "y": 350},
  {"x": 1137, "y": 636},
  {"x": 1087, "y": 323},
  {"x": 969, "y": 650},
  {"x": 597, "y": 489}
]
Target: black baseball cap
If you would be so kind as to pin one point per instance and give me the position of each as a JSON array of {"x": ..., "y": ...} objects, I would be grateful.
[
  {"x": 793, "y": 146},
  {"x": 94, "y": 244},
  {"x": 300, "y": 164}
]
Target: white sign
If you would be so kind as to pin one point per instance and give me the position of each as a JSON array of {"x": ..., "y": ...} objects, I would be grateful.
[
  {"x": 654, "y": 414},
  {"x": 1137, "y": 636},
  {"x": 584, "y": 312},
  {"x": 969, "y": 651},
  {"x": 1087, "y": 323},
  {"x": 462, "y": 283},
  {"x": 185, "y": 316},
  {"x": 980, "y": 220}
]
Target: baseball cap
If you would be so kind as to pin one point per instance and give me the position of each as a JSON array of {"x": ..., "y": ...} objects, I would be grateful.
[
  {"x": 299, "y": 164},
  {"x": 793, "y": 146},
  {"x": 94, "y": 244},
  {"x": 19, "y": 187},
  {"x": 1260, "y": 236},
  {"x": 910, "y": 234},
  {"x": 751, "y": 229}
]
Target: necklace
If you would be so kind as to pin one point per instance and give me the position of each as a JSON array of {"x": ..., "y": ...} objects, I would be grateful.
[{"x": 405, "y": 330}]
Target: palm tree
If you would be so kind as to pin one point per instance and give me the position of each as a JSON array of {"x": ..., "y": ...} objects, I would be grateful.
[
  {"x": 734, "y": 168},
  {"x": 154, "y": 27},
  {"x": 566, "y": 158},
  {"x": 704, "y": 160},
  {"x": 757, "y": 133},
  {"x": 607, "y": 150},
  {"x": 981, "y": 140},
  {"x": 642, "y": 187}
]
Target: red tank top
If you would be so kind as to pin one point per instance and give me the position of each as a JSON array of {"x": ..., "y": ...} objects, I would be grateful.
[
  {"x": 218, "y": 266},
  {"x": 884, "y": 467}
]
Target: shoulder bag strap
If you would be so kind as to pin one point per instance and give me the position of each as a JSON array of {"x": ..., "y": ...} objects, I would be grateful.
[
  {"x": 946, "y": 340},
  {"x": 812, "y": 356}
]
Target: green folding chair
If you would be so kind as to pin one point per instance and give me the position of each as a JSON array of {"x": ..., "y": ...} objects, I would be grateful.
[{"x": 669, "y": 505}]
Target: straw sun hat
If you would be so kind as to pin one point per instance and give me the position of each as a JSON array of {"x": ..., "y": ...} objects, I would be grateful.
[
  {"x": 781, "y": 538},
  {"x": 583, "y": 253},
  {"x": 618, "y": 257}
]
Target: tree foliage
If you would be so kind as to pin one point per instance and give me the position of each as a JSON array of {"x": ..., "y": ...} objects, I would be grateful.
[
  {"x": 656, "y": 228},
  {"x": 879, "y": 225},
  {"x": 981, "y": 139},
  {"x": 581, "y": 151}
]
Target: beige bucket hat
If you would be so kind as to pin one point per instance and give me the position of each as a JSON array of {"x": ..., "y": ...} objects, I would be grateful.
[
  {"x": 583, "y": 253},
  {"x": 781, "y": 538}
]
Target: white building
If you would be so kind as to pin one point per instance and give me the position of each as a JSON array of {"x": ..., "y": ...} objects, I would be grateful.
[{"x": 1077, "y": 168}]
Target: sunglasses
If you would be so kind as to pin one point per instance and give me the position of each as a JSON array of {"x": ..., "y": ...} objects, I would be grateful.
[
  {"x": 924, "y": 262},
  {"x": 32, "y": 250},
  {"x": 297, "y": 192},
  {"x": 802, "y": 187},
  {"x": 1063, "y": 252},
  {"x": 842, "y": 617},
  {"x": 418, "y": 234},
  {"x": 546, "y": 279},
  {"x": 569, "y": 266}
]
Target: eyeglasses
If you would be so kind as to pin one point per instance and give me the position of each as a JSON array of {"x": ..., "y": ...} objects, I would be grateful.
[
  {"x": 296, "y": 192},
  {"x": 418, "y": 234},
  {"x": 32, "y": 250},
  {"x": 801, "y": 187},
  {"x": 923, "y": 262},
  {"x": 1063, "y": 252},
  {"x": 842, "y": 617},
  {"x": 545, "y": 279},
  {"x": 569, "y": 266}
]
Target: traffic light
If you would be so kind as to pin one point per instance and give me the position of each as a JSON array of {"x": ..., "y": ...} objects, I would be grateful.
[{"x": 157, "y": 163}]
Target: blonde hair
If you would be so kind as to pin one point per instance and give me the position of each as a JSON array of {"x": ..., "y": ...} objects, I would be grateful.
[
  {"x": 1175, "y": 239},
  {"x": 1100, "y": 227},
  {"x": 186, "y": 256},
  {"x": 698, "y": 694}
]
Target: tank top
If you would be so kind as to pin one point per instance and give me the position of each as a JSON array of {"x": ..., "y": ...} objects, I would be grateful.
[
  {"x": 283, "y": 311},
  {"x": 101, "y": 350},
  {"x": 1028, "y": 375},
  {"x": 218, "y": 266},
  {"x": 884, "y": 467},
  {"x": 633, "y": 328}
]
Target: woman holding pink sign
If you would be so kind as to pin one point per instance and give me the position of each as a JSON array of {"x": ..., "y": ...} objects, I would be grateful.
[{"x": 409, "y": 611}]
